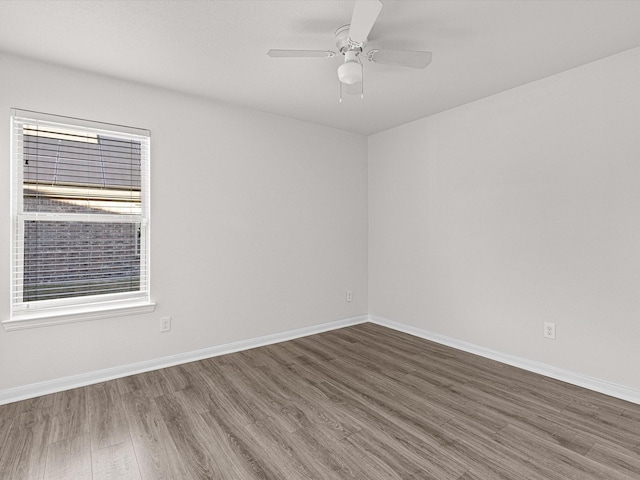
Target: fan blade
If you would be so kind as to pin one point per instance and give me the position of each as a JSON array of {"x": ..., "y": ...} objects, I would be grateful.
[
  {"x": 401, "y": 58},
  {"x": 301, "y": 53},
  {"x": 365, "y": 13}
]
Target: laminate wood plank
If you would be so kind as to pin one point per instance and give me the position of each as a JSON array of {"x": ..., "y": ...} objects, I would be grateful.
[
  {"x": 107, "y": 420},
  {"x": 505, "y": 378},
  {"x": 545, "y": 424},
  {"x": 402, "y": 342},
  {"x": 469, "y": 475},
  {"x": 417, "y": 443},
  {"x": 115, "y": 462},
  {"x": 632, "y": 419},
  {"x": 556, "y": 433},
  {"x": 357, "y": 356},
  {"x": 312, "y": 350},
  {"x": 269, "y": 401},
  {"x": 275, "y": 356},
  {"x": 25, "y": 428},
  {"x": 34, "y": 417},
  {"x": 151, "y": 384},
  {"x": 294, "y": 350},
  {"x": 572, "y": 431},
  {"x": 479, "y": 416},
  {"x": 590, "y": 397},
  {"x": 24, "y": 455},
  {"x": 510, "y": 381},
  {"x": 69, "y": 415},
  {"x": 241, "y": 452},
  {"x": 487, "y": 457},
  {"x": 285, "y": 399},
  {"x": 7, "y": 417},
  {"x": 499, "y": 402},
  {"x": 383, "y": 391},
  {"x": 369, "y": 410},
  {"x": 69, "y": 459},
  {"x": 395, "y": 351},
  {"x": 448, "y": 366},
  {"x": 434, "y": 359},
  {"x": 155, "y": 451},
  {"x": 334, "y": 460},
  {"x": 605, "y": 429},
  {"x": 568, "y": 431},
  {"x": 555, "y": 462},
  {"x": 547, "y": 389},
  {"x": 38, "y": 403},
  {"x": 406, "y": 459},
  {"x": 10, "y": 410},
  {"x": 318, "y": 410},
  {"x": 221, "y": 392},
  {"x": 179, "y": 377},
  {"x": 606, "y": 455},
  {"x": 190, "y": 436},
  {"x": 385, "y": 462},
  {"x": 535, "y": 390}
]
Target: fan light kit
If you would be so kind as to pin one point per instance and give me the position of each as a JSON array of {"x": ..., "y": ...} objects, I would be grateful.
[
  {"x": 350, "y": 72},
  {"x": 350, "y": 41}
]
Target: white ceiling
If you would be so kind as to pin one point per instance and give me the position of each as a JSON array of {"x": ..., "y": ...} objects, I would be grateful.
[{"x": 217, "y": 49}]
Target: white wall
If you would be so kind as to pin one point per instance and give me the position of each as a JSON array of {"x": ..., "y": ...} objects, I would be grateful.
[
  {"x": 524, "y": 207},
  {"x": 259, "y": 224}
]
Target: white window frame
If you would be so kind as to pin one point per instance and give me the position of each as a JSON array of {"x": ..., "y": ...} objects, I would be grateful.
[{"x": 73, "y": 309}]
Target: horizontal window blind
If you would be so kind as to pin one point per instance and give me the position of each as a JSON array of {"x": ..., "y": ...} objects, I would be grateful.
[{"x": 80, "y": 204}]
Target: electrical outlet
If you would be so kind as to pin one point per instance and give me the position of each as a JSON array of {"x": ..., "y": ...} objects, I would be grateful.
[
  {"x": 349, "y": 296},
  {"x": 550, "y": 330},
  {"x": 165, "y": 324}
]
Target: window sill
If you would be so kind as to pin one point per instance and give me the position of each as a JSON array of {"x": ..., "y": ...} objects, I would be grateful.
[{"x": 73, "y": 315}]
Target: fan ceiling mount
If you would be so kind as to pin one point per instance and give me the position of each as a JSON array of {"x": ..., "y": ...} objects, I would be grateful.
[{"x": 350, "y": 42}]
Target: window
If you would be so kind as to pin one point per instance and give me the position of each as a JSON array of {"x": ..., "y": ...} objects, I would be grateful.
[{"x": 80, "y": 219}]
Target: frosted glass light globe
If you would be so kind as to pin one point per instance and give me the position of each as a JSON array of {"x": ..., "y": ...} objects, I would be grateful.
[{"x": 350, "y": 72}]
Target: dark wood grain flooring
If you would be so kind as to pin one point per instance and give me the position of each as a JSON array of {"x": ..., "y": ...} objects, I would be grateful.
[{"x": 363, "y": 402}]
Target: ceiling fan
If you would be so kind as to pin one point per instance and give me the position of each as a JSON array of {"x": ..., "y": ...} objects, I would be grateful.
[{"x": 351, "y": 40}]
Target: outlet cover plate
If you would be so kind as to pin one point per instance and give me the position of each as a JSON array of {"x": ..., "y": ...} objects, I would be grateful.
[
  {"x": 550, "y": 330},
  {"x": 165, "y": 324}
]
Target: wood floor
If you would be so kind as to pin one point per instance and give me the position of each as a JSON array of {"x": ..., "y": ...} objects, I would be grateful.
[{"x": 363, "y": 402}]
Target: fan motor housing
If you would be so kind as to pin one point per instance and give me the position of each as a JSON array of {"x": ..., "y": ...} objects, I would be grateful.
[{"x": 344, "y": 43}]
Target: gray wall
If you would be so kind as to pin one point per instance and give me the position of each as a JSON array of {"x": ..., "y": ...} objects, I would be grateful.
[{"x": 524, "y": 207}]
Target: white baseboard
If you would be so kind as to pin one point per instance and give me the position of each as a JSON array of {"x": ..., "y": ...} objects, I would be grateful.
[
  {"x": 611, "y": 389},
  {"x": 81, "y": 380},
  {"x": 66, "y": 383}
]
